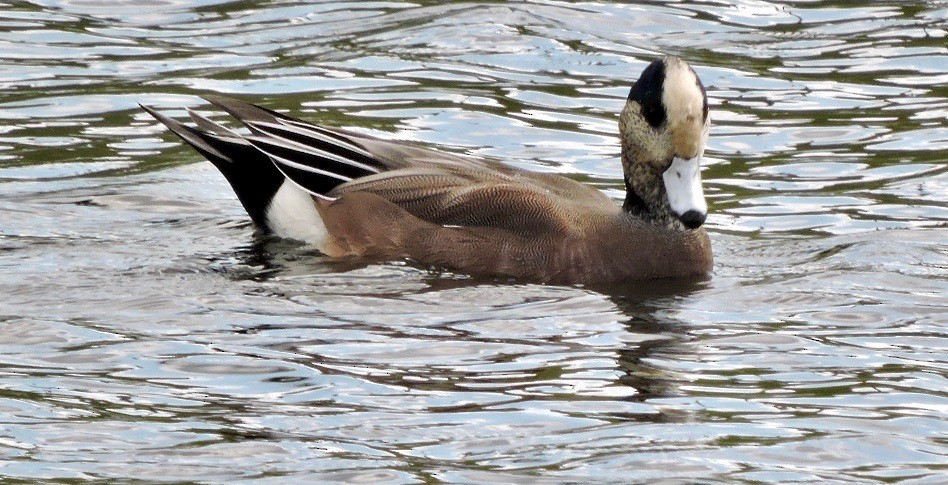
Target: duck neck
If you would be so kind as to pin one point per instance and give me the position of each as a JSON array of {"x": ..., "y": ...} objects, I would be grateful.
[
  {"x": 634, "y": 203},
  {"x": 645, "y": 197}
]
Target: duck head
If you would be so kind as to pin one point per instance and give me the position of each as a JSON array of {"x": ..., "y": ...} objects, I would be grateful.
[{"x": 664, "y": 127}]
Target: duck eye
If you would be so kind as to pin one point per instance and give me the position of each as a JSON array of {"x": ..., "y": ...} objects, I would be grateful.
[{"x": 654, "y": 113}]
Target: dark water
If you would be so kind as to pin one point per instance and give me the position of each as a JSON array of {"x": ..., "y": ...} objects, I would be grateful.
[{"x": 146, "y": 333}]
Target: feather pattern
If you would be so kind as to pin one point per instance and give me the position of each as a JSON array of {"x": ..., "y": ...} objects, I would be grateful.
[
  {"x": 442, "y": 188},
  {"x": 350, "y": 194}
]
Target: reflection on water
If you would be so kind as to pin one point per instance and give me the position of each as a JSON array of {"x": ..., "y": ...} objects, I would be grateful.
[{"x": 147, "y": 332}]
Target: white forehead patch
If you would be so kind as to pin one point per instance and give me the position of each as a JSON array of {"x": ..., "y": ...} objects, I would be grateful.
[{"x": 681, "y": 95}]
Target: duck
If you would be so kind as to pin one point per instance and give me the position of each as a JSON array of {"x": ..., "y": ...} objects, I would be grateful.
[{"x": 351, "y": 195}]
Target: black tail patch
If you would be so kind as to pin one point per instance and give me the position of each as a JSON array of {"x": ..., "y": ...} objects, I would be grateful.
[
  {"x": 315, "y": 158},
  {"x": 249, "y": 171}
]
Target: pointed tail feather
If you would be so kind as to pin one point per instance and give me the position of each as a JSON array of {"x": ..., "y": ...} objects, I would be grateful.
[
  {"x": 194, "y": 137},
  {"x": 314, "y": 158},
  {"x": 248, "y": 170},
  {"x": 210, "y": 126}
]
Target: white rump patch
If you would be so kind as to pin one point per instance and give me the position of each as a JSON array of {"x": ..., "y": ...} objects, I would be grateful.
[
  {"x": 292, "y": 214},
  {"x": 683, "y": 186}
]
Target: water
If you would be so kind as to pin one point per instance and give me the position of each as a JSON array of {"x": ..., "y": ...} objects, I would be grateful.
[{"x": 147, "y": 334}]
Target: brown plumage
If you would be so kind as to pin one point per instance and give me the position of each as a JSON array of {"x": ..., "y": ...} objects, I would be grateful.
[{"x": 353, "y": 195}]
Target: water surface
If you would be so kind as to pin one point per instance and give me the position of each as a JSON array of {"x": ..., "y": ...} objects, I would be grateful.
[{"x": 148, "y": 333}]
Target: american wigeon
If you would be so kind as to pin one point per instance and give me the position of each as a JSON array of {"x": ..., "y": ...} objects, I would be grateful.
[{"x": 350, "y": 194}]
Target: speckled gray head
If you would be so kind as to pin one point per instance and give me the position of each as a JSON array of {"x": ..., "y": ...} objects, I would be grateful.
[{"x": 664, "y": 128}]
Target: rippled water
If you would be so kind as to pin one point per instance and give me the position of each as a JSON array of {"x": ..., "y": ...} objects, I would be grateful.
[{"x": 146, "y": 333}]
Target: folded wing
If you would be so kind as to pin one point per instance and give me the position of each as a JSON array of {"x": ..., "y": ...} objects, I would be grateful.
[{"x": 439, "y": 187}]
